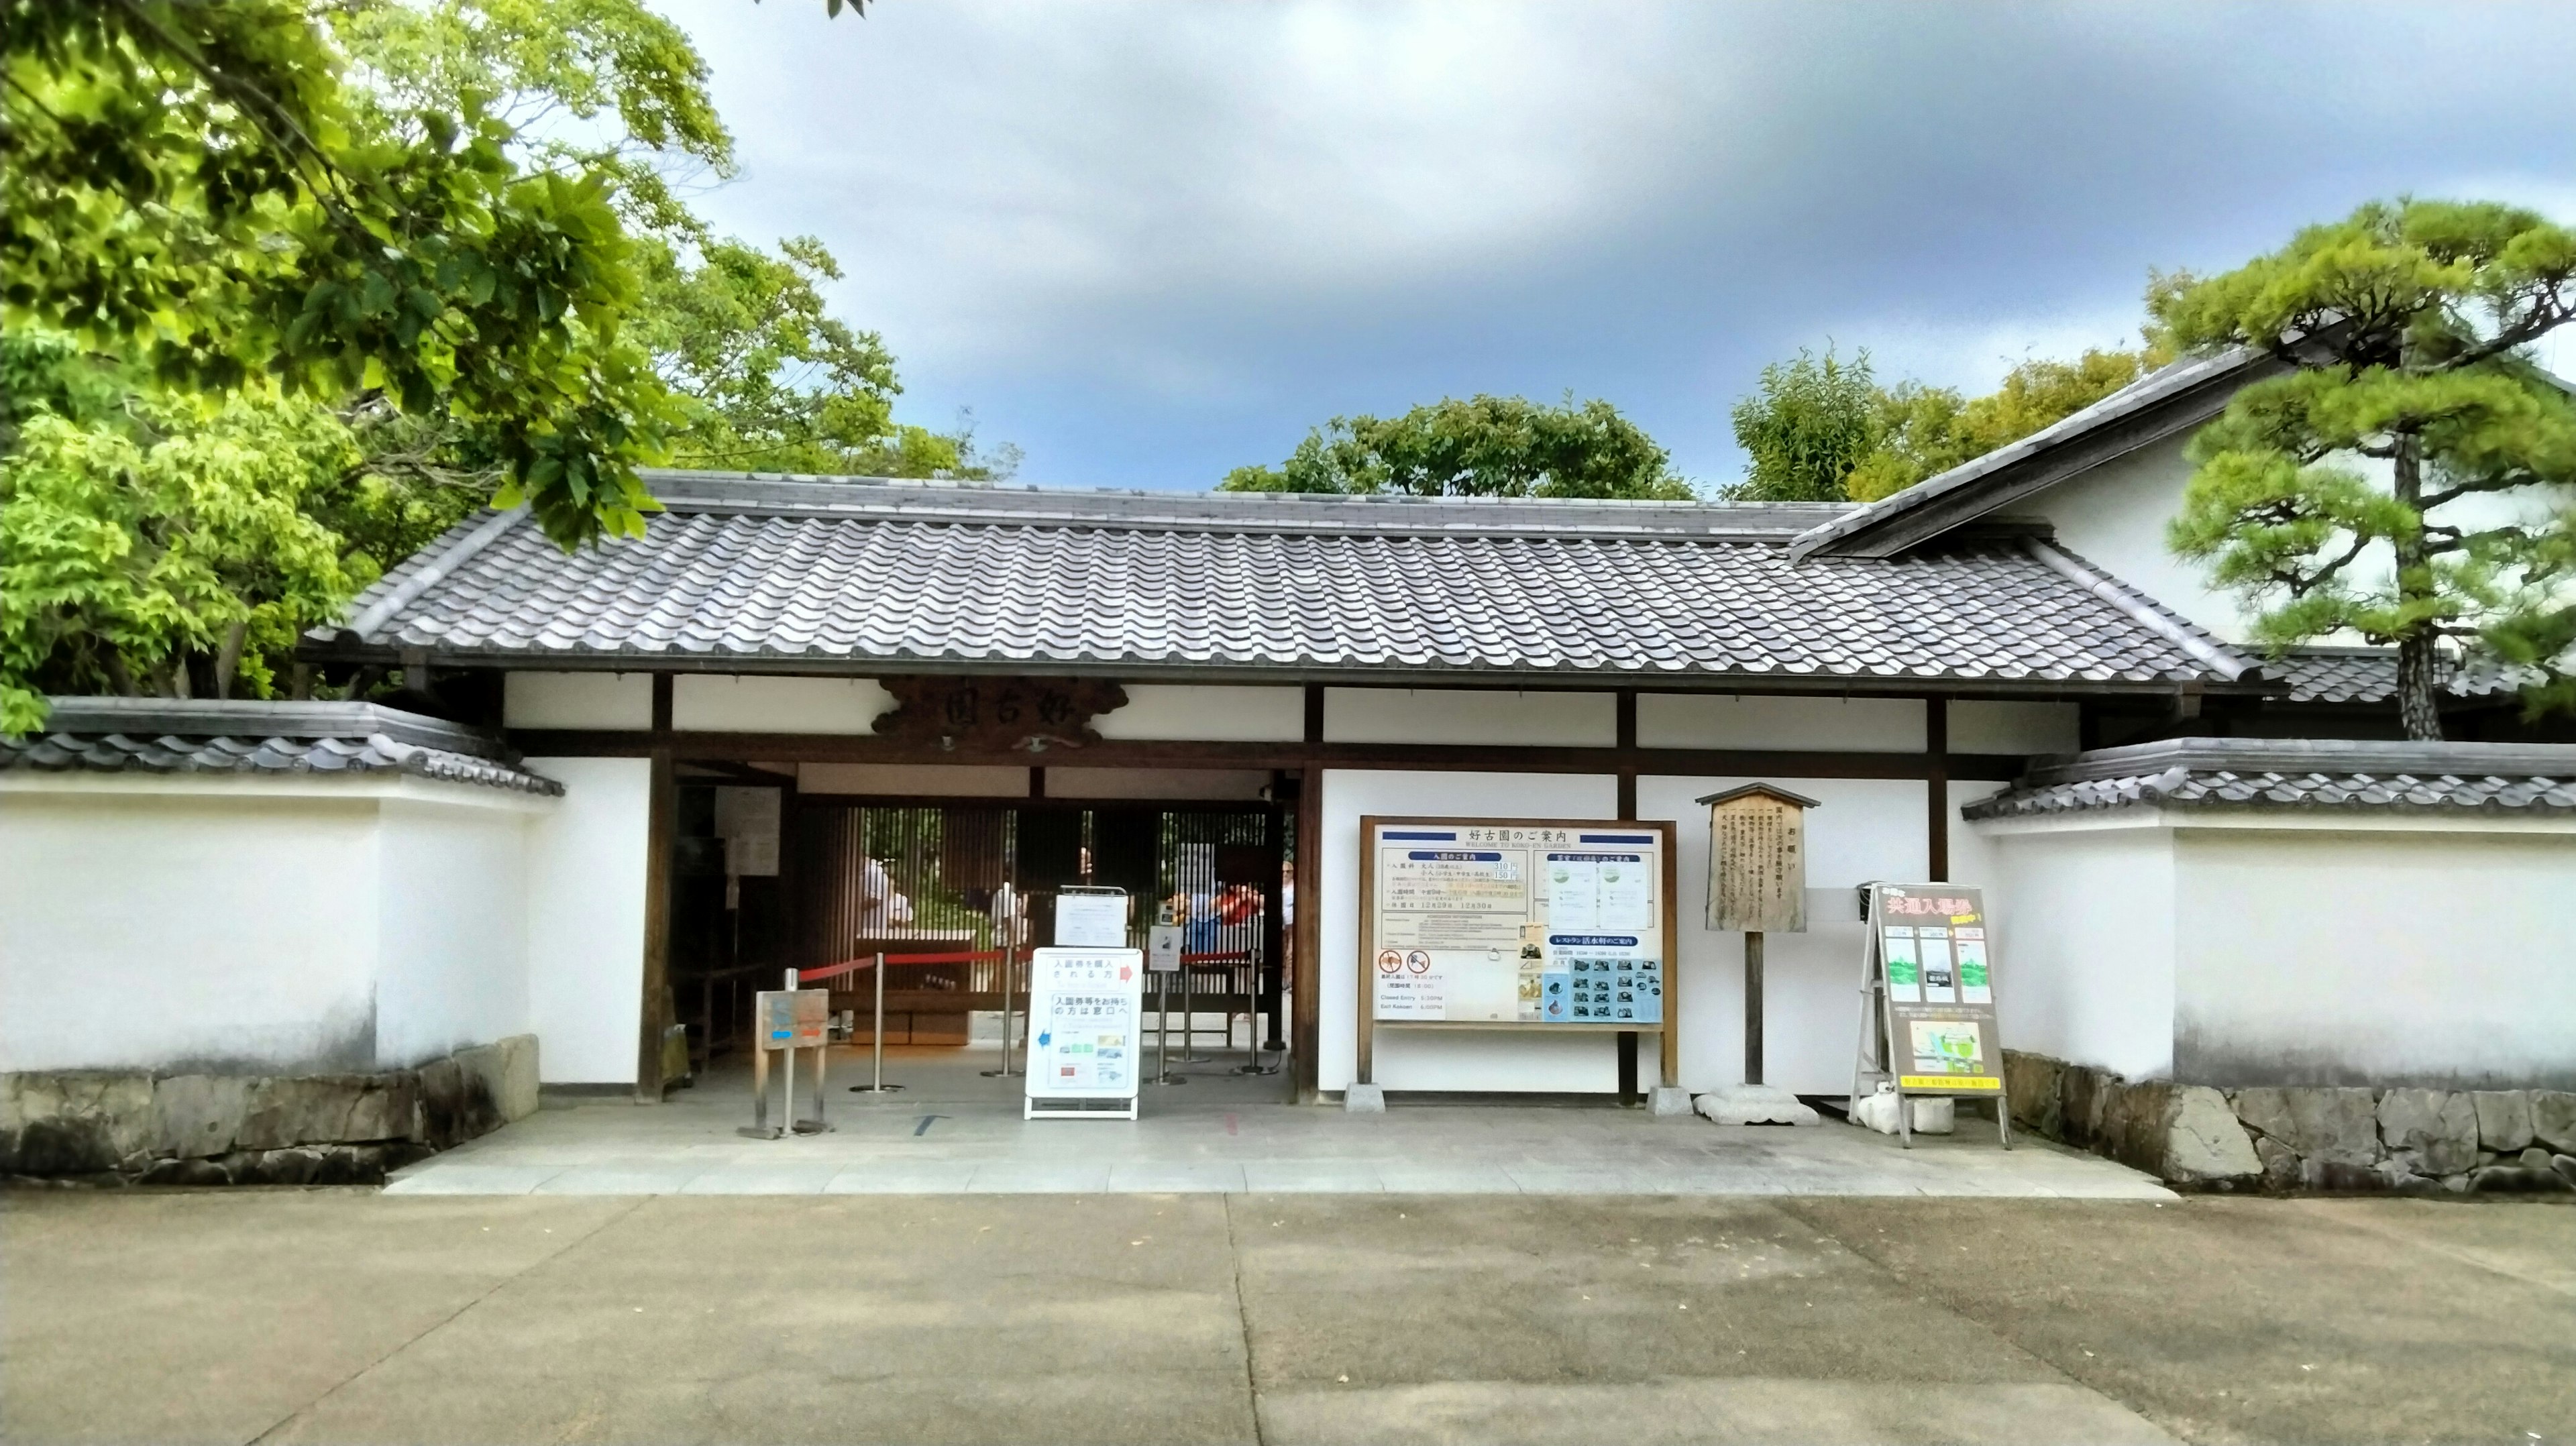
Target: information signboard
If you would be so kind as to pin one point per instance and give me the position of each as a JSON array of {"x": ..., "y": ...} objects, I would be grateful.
[
  {"x": 1553, "y": 924},
  {"x": 1928, "y": 1024},
  {"x": 1086, "y": 1014},
  {"x": 1091, "y": 918},
  {"x": 792, "y": 1018}
]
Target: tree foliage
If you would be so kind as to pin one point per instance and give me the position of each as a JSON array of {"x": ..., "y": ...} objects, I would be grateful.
[
  {"x": 1482, "y": 447},
  {"x": 2410, "y": 480},
  {"x": 365, "y": 267},
  {"x": 1821, "y": 429}
]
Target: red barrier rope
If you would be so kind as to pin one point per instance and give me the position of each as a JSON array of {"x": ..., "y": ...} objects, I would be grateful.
[{"x": 853, "y": 966}]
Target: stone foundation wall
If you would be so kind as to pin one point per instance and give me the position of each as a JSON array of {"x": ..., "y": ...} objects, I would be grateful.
[
  {"x": 115, "y": 1127},
  {"x": 2286, "y": 1139}
]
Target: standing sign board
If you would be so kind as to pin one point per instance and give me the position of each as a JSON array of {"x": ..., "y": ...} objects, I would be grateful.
[
  {"x": 1928, "y": 998},
  {"x": 1530, "y": 925},
  {"x": 1086, "y": 1017},
  {"x": 788, "y": 1020},
  {"x": 1091, "y": 918}
]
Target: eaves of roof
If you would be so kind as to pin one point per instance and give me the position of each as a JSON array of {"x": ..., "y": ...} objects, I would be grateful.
[{"x": 2295, "y": 773}]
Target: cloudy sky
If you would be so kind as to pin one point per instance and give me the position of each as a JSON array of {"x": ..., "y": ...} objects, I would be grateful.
[{"x": 1150, "y": 242}]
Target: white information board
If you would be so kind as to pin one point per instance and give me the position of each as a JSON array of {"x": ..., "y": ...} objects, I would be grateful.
[
  {"x": 1086, "y": 1026},
  {"x": 1517, "y": 922},
  {"x": 1090, "y": 920}
]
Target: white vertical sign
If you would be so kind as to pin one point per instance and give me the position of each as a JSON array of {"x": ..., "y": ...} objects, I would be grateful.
[{"x": 1086, "y": 1025}]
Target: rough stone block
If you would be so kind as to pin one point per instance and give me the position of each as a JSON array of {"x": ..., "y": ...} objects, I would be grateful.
[
  {"x": 2342, "y": 1177},
  {"x": 2565, "y": 1165},
  {"x": 1363, "y": 1099},
  {"x": 186, "y": 1172},
  {"x": 2504, "y": 1119},
  {"x": 515, "y": 1091},
  {"x": 295, "y": 1166},
  {"x": 73, "y": 1122},
  {"x": 2036, "y": 1084},
  {"x": 198, "y": 1116},
  {"x": 440, "y": 1091},
  {"x": 2435, "y": 1131},
  {"x": 1754, "y": 1105},
  {"x": 482, "y": 1068},
  {"x": 2131, "y": 1121},
  {"x": 2515, "y": 1179},
  {"x": 382, "y": 1107},
  {"x": 1668, "y": 1102},
  {"x": 2338, "y": 1126},
  {"x": 288, "y": 1110},
  {"x": 2553, "y": 1120},
  {"x": 2280, "y": 1163},
  {"x": 2204, "y": 1145}
]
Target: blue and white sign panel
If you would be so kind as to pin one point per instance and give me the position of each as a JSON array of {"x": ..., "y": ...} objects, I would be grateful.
[
  {"x": 1498, "y": 923},
  {"x": 1086, "y": 1013}
]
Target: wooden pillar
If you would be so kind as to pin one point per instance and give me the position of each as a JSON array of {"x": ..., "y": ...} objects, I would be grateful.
[
  {"x": 1627, "y": 742},
  {"x": 1274, "y": 852},
  {"x": 662, "y": 821},
  {"x": 1936, "y": 764},
  {"x": 1305, "y": 1041}
]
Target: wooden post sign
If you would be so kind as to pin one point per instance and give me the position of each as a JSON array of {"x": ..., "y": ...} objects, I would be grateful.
[
  {"x": 1757, "y": 883},
  {"x": 1928, "y": 1000}
]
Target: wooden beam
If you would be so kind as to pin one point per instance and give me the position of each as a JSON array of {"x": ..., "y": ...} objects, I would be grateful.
[
  {"x": 1627, "y": 746},
  {"x": 1432, "y": 757}
]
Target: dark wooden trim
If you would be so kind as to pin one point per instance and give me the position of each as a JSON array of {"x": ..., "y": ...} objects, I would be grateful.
[
  {"x": 660, "y": 828},
  {"x": 1314, "y": 713},
  {"x": 1037, "y": 783},
  {"x": 1437, "y": 757},
  {"x": 1627, "y": 746},
  {"x": 661, "y": 703},
  {"x": 1936, "y": 785},
  {"x": 1306, "y": 1002}
]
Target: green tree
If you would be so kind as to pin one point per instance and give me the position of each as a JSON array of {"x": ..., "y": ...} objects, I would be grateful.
[
  {"x": 1925, "y": 431},
  {"x": 1482, "y": 447},
  {"x": 1812, "y": 422},
  {"x": 2410, "y": 480},
  {"x": 201, "y": 188}
]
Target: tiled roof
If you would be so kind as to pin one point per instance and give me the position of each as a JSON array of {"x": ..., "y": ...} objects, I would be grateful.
[
  {"x": 159, "y": 735},
  {"x": 846, "y": 576},
  {"x": 2281, "y": 773},
  {"x": 2369, "y": 675}
]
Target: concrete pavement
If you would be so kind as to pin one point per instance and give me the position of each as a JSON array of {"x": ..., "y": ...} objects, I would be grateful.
[{"x": 348, "y": 1315}]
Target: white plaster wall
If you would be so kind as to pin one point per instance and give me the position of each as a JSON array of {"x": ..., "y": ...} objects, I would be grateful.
[
  {"x": 2114, "y": 517},
  {"x": 1727, "y": 720},
  {"x": 1173, "y": 783},
  {"x": 2383, "y": 957},
  {"x": 743, "y": 703},
  {"x": 585, "y": 895},
  {"x": 577, "y": 700},
  {"x": 1416, "y": 1059},
  {"x": 914, "y": 780},
  {"x": 453, "y": 965},
  {"x": 1466, "y": 715},
  {"x": 157, "y": 930},
  {"x": 1163, "y": 711},
  {"x": 2084, "y": 939},
  {"x": 1865, "y": 829},
  {"x": 1980, "y": 726}
]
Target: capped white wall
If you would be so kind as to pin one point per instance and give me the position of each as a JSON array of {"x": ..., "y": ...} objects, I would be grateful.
[
  {"x": 453, "y": 966},
  {"x": 1864, "y": 829},
  {"x": 585, "y": 915},
  {"x": 577, "y": 700},
  {"x": 1468, "y": 715},
  {"x": 1728, "y": 720},
  {"x": 1459, "y": 1060},
  {"x": 1216, "y": 714},
  {"x": 2084, "y": 940},
  {"x": 747, "y": 703},
  {"x": 2386, "y": 956},
  {"x": 145, "y": 928}
]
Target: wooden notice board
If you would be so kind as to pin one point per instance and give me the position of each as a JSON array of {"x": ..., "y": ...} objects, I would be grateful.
[{"x": 1517, "y": 925}]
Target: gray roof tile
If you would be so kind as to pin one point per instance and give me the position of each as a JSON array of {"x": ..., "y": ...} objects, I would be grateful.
[
  {"x": 2280, "y": 773},
  {"x": 2369, "y": 675},
  {"x": 858, "y": 574},
  {"x": 155, "y": 735}
]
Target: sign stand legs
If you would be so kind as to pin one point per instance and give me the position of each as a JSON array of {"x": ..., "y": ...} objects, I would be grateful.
[{"x": 1163, "y": 1032}]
